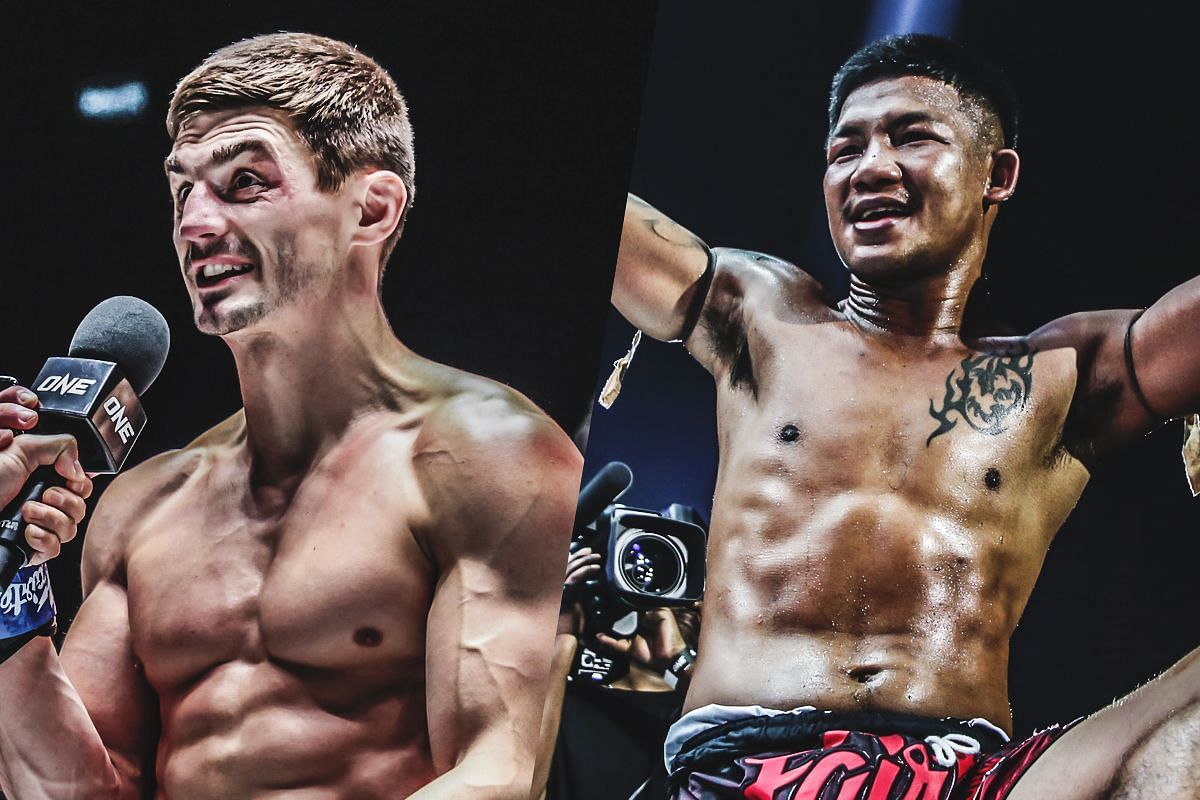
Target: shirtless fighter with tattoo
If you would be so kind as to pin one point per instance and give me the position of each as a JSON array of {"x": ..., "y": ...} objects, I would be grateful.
[
  {"x": 329, "y": 594},
  {"x": 887, "y": 491}
]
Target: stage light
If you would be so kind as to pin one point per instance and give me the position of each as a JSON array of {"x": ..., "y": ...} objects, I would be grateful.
[
  {"x": 121, "y": 101},
  {"x": 912, "y": 16}
]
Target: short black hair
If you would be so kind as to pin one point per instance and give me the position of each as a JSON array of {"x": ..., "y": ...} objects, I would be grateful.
[{"x": 924, "y": 55}]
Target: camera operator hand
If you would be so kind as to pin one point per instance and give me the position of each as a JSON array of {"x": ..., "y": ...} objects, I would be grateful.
[
  {"x": 655, "y": 645},
  {"x": 55, "y": 519},
  {"x": 582, "y": 565}
]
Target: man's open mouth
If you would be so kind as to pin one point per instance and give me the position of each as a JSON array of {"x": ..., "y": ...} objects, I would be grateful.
[
  {"x": 879, "y": 209},
  {"x": 212, "y": 274},
  {"x": 880, "y": 213}
]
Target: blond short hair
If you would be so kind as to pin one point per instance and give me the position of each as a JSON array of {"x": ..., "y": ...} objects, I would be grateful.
[{"x": 342, "y": 103}]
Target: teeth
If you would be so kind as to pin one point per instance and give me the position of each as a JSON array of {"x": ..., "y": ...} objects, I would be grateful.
[
  {"x": 214, "y": 270},
  {"x": 879, "y": 212}
]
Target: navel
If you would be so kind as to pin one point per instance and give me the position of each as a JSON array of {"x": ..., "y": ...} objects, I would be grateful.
[
  {"x": 368, "y": 637},
  {"x": 864, "y": 674}
]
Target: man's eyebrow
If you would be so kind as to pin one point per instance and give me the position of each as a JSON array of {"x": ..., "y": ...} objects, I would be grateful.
[
  {"x": 846, "y": 129},
  {"x": 911, "y": 118},
  {"x": 223, "y": 154},
  {"x": 907, "y": 118}
]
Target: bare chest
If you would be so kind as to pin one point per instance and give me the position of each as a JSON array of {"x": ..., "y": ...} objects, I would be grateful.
[
  {"x": 860, "y": 478},
  {"x": 832, "y": 414},
  {"x": 330, "y": 580}
]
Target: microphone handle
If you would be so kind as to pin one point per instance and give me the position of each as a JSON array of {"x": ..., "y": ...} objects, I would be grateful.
[{"x": 14, "y": 550}]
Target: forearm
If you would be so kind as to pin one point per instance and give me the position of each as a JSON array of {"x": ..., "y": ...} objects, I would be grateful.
[
  {"x": 49, "y": 746},
  {"x": 482, "y": 775}
]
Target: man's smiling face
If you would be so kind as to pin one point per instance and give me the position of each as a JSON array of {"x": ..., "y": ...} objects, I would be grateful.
[
  {"x": 253, "y": 232},
  {"x": 905, "y": 178}
]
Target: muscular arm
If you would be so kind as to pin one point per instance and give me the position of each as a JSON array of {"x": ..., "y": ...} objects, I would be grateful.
[
  {"x": 565, "y": 645},
  {"x": 76, "y": 726},
  {"x": 501, "y": 489},
  {"x": 1106, "y": 411},
  {"x": 661, "y": 269},
  {"x": 658, "y": 267}
]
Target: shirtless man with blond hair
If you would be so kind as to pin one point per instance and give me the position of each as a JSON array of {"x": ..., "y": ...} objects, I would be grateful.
[
  {"x": 330, "y": 594},
  {"x": 887, "y": 491}
]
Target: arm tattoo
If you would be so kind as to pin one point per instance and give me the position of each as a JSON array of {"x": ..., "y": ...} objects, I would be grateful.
[
  {"x": 984, "y": 390},
  {"x": 666, "y": 229}
]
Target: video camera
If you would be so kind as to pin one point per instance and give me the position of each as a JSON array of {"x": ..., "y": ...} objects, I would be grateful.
[{"x": 650, "y": 559}]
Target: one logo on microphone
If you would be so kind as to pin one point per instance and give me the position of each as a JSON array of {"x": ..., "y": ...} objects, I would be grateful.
[
  {"x": 65, "y": 385},
  {"x": 116, "y": 412}
]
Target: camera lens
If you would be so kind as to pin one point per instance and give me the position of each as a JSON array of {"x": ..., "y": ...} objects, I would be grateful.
[{"x": 652, "y": 564}]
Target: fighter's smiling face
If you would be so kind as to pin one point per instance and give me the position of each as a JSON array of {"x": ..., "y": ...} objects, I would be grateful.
[
  {"x": 906, "y": 176},
  {"x": 253, "y": 232}
]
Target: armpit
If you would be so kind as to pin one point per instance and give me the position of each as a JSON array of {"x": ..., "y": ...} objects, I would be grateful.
[
  {"x": 726, "y": 334},
  {"x": 746, "y": 283}
]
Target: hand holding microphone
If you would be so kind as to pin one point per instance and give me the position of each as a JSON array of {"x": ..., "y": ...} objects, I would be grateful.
[
  {"x": 89, "y": 417},
  {"x": 51, "y": 521}
]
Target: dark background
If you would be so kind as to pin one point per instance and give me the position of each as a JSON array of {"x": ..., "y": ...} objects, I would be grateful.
[
  {"x": 731, "y": 146},
  {"x": 525, "y": 118}
]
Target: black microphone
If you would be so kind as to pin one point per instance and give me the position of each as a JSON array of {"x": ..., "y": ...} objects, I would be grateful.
[
  {"x": 605, "y": 486},
  {"x": 92, "y": 394}
]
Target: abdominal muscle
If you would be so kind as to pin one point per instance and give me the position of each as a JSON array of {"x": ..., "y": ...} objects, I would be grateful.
[
  {"x": 259, "y": 730},
  {"x": 859, "y": 602}
]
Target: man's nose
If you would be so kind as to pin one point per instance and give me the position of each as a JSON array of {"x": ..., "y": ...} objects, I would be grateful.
[
  {"x": 877, "y": 168},
  {"x": 202, "y": 216}
]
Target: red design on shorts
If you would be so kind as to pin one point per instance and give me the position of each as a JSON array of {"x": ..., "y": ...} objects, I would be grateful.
[
  {"x": 843, "y": 770},
  {"x": 997, "y": 774}
]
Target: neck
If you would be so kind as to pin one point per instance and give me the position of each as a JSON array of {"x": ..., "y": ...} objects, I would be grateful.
[
  {"x": 929, "y": 308},
  {"x": 307, "y": 373}
]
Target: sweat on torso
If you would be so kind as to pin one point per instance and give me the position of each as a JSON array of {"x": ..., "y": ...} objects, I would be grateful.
[
  {"x": 287, "y": 643},
  {"x": 880, "y": 516}
]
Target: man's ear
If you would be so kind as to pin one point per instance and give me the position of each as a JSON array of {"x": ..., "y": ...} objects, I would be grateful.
[
  {"x": 1002, "y": 179},
  {"x": 382, "y": 198}
]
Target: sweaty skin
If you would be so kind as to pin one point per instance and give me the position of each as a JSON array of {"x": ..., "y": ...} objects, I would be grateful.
[
  {"x": 284, "y": 640},
  {"x": 886, "y": 491},
  {"x": 854, "y": 563},
  {"x": 346, "y": 590}
]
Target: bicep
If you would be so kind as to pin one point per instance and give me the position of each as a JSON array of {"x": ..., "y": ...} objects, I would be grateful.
[
  {"x": 659, "y": 266},
  {"x": 1164, "y": 352},
  {"x": 491, "y": 626},
  {"x": 97, "y": 653},
  {"x": 97, "y": 656},
  {"x": 487, "y": 661},
  {"x": 1108, "y": 408}
]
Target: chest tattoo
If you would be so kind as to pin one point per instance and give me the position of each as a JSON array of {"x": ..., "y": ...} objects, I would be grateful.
[{"x": 984, "y": 390}]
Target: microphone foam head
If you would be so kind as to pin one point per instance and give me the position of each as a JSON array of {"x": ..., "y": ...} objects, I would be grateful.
[{"x": 128, "y": 331}]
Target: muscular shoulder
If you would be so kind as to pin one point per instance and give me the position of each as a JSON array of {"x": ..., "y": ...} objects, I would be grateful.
[
  {"x": 757, "y": 278},
  {"x": 492, "y": 466},
  {"x": 125, "y": 501},
  {"x": 745, "y": 285}
]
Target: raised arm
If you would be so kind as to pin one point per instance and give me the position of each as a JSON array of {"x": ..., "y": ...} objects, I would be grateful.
[
  {"x": 670, "y": 285},
  {"x": 1136, "y": 369},
  {"x": 659, "y": 270},
  {"x": 81, "y": 725},
  {"x": 501, "y": 487}
]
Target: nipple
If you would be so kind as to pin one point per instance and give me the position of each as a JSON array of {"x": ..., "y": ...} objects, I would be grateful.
[
  {"x": 368, "y": 637},
  {"x": 991, "y": 479}
]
